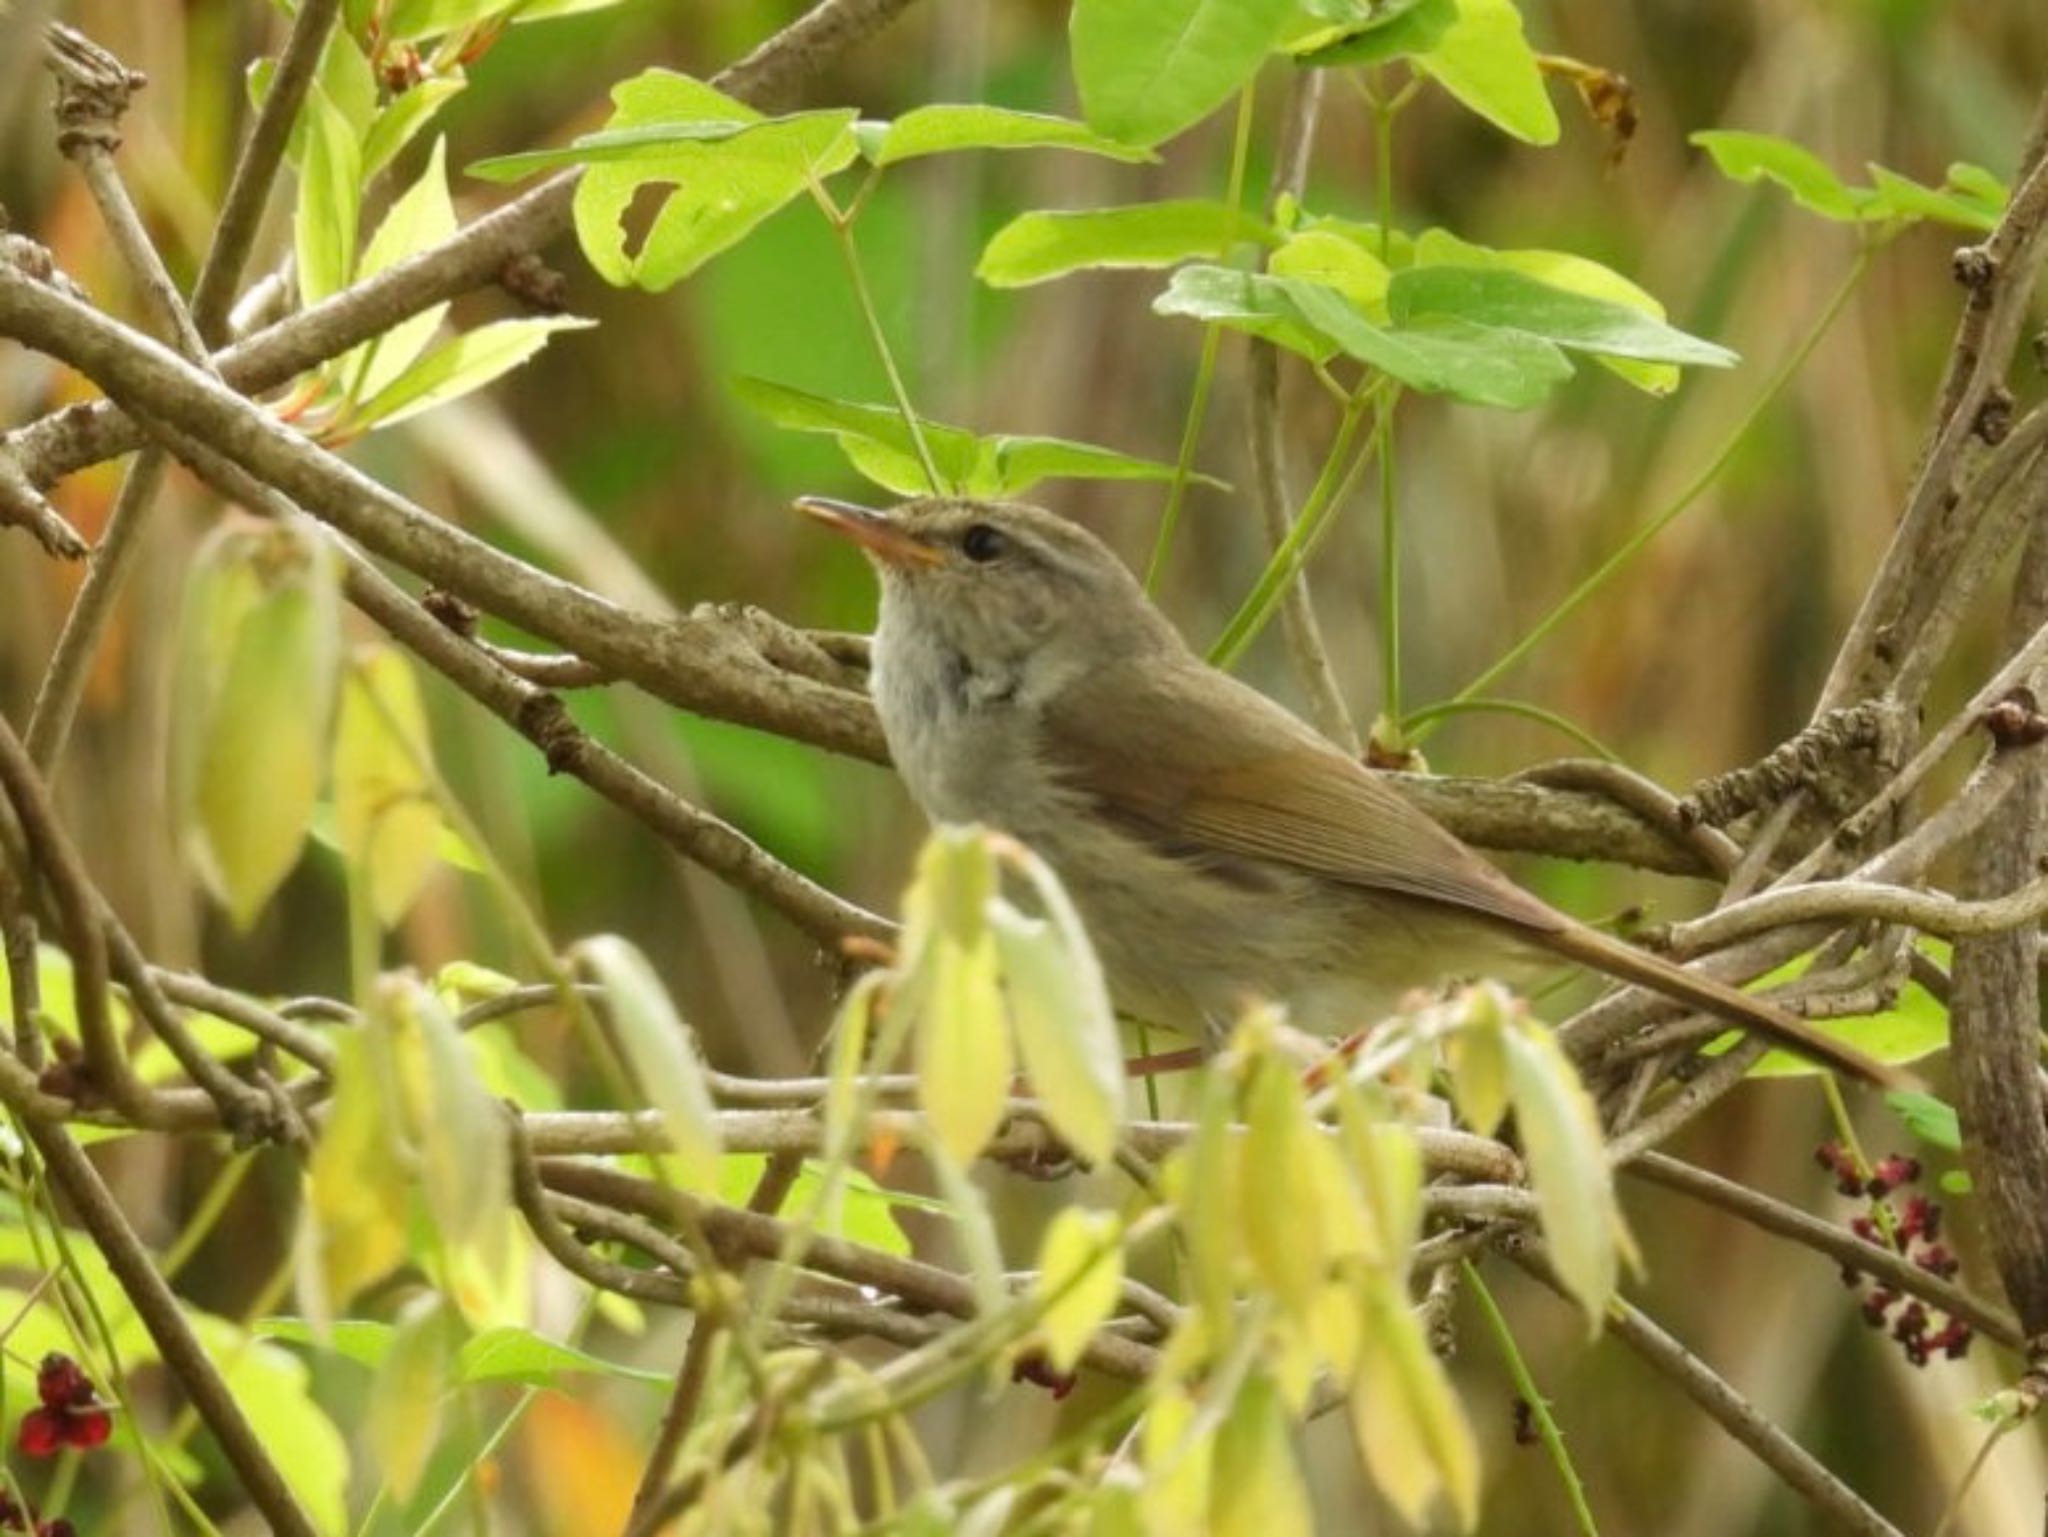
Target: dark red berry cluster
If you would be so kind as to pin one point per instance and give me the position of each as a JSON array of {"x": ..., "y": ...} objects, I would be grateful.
[
  {"x": 14, "y": 1519},
  {"x": 1911, "y": 1228},
  {"x": 71, "y": 1413}
]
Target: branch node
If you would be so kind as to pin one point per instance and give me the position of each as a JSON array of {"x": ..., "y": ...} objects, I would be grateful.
[
  {"x": 93, "y": 90},
  {"x": 453, "y": 613},
  {"x": 2016, "y": 720},
  {"x": 535, "y": 284},
  {"x": 1811, "y": 760},
  {"x": 1993, "y": 422},
  {"x": 1975, "y": 267}
]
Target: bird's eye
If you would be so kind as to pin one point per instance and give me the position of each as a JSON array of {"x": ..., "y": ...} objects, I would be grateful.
[{"x": 981, "y": 543}]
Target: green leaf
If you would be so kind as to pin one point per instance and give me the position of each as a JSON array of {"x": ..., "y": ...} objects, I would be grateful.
[
  {"x": 659, "y": 1052},
  {"x": 648, "y": 145},
  {"x": 385, "y": 812},
  {"x": 361, "y": 1340},
  {"x": 1080, "y": 1279},
  {"x": 939, "y": 130},
  {"x": 1903, "y": 198},
  {"x": 1933, "y": 1121},
  {"x": 718, "y": 191},
  {"x": 1512, "y": 301},
  {"x": 509, "y": 1353},
  {"x": 1049, "y": 243},
  {"x": 878, "y": 443},
  {"x": 1441, "y": 354},
  {"x": 1148, "y": 69},
  {"x": 1485, "y": 62},
  {"x": 1333, "y": 260},
  {"x": 419, "y": 218},
  {"x": 1066, "y": 1031},
  {"x": 432, "y": 18},
  {"x": 1914, "y": 1027},
  {"x": 460, "y": 365},
  {"x": 1560, "y": 269},
  {"x": 260, "y": 749},
  {"x": 398, "y": 124},
  {"x": 330, "y": 197},
  {"x": 1977, "y": 184},
  {"x": 1749, "y": 157},
  {"x": 1397, "y": 30},
  {"x": 1560, "y": 1131}
]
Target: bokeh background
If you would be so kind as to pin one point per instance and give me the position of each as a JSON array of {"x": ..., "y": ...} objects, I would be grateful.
[{"x": 620, "y": 457}]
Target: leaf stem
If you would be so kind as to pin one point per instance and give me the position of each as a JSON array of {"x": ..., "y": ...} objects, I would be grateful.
[
  {"x": 842, "y": 232},
  {"x": 1519, "y": 707},
  {"x": 1205, "y": 371},
  {"x": 1685, "y": 498},
  {"x": 1390, "y": 566},
  {"x": 1539, "y": 1406},
  {"x": 1328, "y": 493}
]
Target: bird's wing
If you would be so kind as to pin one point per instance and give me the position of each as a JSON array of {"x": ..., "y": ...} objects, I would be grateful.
[{"x": 1243, "y": 778}]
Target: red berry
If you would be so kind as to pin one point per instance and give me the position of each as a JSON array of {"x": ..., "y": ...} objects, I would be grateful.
[
  {"x": 61, "y": 1381},
  {"x": 87, "y": 1430},
  {"x": 42, "y": 1432}
]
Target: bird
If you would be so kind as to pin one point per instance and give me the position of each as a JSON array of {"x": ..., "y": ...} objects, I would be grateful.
[{"x": 1218, "y": 849}]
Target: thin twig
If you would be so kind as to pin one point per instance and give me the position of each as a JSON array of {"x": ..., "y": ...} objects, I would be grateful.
[{"x": 1796, "y": 1467}]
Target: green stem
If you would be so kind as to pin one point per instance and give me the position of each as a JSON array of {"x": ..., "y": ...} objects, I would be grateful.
[
  {"x": 1539, "y": 1407},
  {"x": 1325, "y": 496},
  {"x": 1845, "y": 1128},
  {"x": 1390, "y": 566},
  {"x": 842, "y": 232},
  {"x": 1685, "y": 498},
  {"x": 1205, "y": 372},
  {"x": 1517, "y": 707}
]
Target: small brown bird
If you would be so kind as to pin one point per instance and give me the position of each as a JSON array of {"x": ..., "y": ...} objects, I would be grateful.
[{"x": 1218, "y": 849}]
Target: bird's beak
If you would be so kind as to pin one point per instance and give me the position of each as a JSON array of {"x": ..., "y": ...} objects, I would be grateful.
[{"x": 876, "y": 532}]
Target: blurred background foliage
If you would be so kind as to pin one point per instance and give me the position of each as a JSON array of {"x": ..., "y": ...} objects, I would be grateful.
[{"x": 620, "y": 457}]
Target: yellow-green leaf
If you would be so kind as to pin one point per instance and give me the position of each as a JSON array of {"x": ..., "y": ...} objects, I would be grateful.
[
  {"x": 461, "y": 365},
  {"x": 1208, "y": 1179},
  {"x": 330, "y": 197},
  {"x": 1560, "y": 1131},
  {"x": 420, "y": 217},
  {"x": 354, "y": 1228},
  {"x": 260, "y": 753},
  {"x": 1059, "y": 1005},
  {"x": 464, "y": 1162},
  {"x": 1283, "y": 1226},
  {"x": 659, "y": 1053},
  {"x": 1256, "y": 1489},
  {"x": 1475, "y": 1057},
  {"x": 1486, "y": 63},
  {"x": 1410, "y": 1427},
  {"x": 1080, "y": 1277},
  {"x": 402, "y": 1420},
  {"x": 385, "y": 812},
  {"x": 963, "y": 1045},
  {"x": 1176, "y": 1449},
  {"x": 1327, "y": 257}
]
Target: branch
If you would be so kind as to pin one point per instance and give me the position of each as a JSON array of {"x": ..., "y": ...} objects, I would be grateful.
[
  {"x": 1995, "y": 1019},
  {"x": 1843, "y": 900},
  {"x": 1837, "y": 1243},
  {"x": 69, "y": 439},
  {"x": 1839, "y": 1505},
  {"x": 241, "y": 213}
]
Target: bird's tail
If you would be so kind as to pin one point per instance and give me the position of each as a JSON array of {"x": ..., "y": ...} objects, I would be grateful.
[{"x": 1602, "y": 952}]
